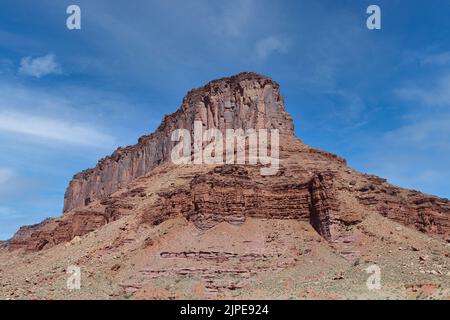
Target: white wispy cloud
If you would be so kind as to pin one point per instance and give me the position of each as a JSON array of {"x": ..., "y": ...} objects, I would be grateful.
[
  {"x": 6, "y": 174},
  {"x": 270, "y": 45},
  {"x": 40, "y": 66},
  {"x": 427, "y": 133},
  {"x": 63, "y": 116},
  {"x": 10, "y": 182},
  {"x": 439, "y": 59},
  {"x": 233, "y": 17},
  {"x": 4, "y": 211},
  {"x": 435, "y": 94},
  {"x": 9, "y": 213},
  {"x": 53, "y": 129},
  {"x": 415, "y": 155},
  {"x": 419, "y": 149}
]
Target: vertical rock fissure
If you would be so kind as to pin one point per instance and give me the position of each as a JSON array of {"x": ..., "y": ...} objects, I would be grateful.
[{"x": 319, "y": 208}]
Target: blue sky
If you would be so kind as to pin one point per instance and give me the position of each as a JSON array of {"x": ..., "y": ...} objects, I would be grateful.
[{"x": 379, "y": 98}]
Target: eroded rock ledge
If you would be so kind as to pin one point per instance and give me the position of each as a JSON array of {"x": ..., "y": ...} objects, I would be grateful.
[{"x": 230, "y": 194}]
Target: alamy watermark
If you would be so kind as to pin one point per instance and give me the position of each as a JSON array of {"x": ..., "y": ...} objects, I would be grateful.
[
  {"x": 73, "y": 21},
  {"x": 238, "y": 146},
  {"x": 74, "y": 279},
  {"x": 374, "y": 280},
  {"x": 374, "y": 20}
]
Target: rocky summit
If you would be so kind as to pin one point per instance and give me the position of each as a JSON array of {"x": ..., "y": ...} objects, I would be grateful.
[{"x": 139, "y": 226}]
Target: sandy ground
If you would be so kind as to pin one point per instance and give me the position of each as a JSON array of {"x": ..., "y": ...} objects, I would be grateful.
[{"x": 260, "y": 259}]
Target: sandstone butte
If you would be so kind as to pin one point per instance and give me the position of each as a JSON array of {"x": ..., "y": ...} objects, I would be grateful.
[{"x": 225, "y": 230}]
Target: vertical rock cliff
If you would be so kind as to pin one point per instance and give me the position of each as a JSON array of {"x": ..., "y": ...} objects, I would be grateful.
[{"x": 244, "y": 101}]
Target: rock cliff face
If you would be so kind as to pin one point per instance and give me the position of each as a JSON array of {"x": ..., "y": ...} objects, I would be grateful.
[
  {"x": 244, "y": 101},
  {"x": 232, "y": 194},
  {"x": 54, "y": 231},
  {"x": 423, "y": 212},
  {"x": 238, "y": 194},
  {"x": 311, "y": 186}
]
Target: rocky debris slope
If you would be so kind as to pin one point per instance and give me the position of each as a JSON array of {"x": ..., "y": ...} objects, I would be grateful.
[{"x": 259, "y": 259}]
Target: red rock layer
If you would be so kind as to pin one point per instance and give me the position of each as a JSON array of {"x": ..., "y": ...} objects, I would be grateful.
[
  {"x": 244, "y": 101},
  {"x": 423, "y": 212},
  {"x": 231, "y": 193},
  {"x": 54, "y": 231}
]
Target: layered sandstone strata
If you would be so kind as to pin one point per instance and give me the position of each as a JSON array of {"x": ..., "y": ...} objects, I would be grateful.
[
  {"x": 412, "y": 208},
  {"x": 244, "y": 101}
]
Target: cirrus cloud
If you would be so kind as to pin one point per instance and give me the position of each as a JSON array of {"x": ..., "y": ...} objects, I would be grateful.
[
  {"x": 270, "y": 45},
  {"x": 434, "y": 92},
  {"x": 48, "y": 128},
  {"x": 6, "y": 174}
]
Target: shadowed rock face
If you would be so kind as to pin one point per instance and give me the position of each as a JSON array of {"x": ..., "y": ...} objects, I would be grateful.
[{"x": 244, "y": 101}]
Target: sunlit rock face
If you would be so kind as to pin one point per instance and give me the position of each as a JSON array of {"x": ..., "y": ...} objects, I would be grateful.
[{"x": 244, "y": 101}]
